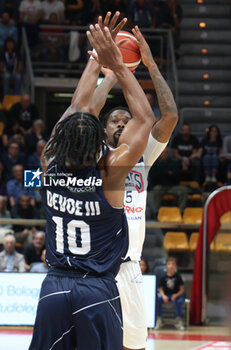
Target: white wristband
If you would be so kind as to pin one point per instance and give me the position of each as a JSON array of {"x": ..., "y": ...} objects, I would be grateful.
[{"x": 91, "y": 57}]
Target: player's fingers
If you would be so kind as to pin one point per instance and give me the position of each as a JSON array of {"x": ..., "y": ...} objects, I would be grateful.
[
  {"x": 92, "y": 41},
  {"x": 107, "y": 34},
  {"x": 114, "y": 20},
  {"x": 107, "y": 19},
  {"x": 138, "y": 33},
  {"x": 94, "y": 32},
  {"x": 119, "y": 26},
  {"x": 100, "y": 34},
  {"x": 100, "y": 21},
  {"x": 94, "y": 55}
]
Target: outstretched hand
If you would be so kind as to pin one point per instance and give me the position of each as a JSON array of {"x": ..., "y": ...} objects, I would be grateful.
[
  {"x": 146, "y": 54},
  {"x": 108, "y": 54},
  {"x": 111, "y": 23}
]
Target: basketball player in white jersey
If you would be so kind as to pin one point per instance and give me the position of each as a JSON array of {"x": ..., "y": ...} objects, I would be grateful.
[{"x": 129, "y": 278}]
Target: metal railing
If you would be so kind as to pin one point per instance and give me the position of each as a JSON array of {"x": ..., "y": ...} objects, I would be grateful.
[
  {"x": 160, "y": 41},
  {"x": 201, "y": 118},
  {"x": 149, "y": 224},
  {"x": 28, "y": 75}
]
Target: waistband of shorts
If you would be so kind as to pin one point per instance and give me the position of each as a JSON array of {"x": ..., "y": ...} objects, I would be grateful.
[
  {"x": 126, "y": 260},
  {"x": 77, "y": 273}
]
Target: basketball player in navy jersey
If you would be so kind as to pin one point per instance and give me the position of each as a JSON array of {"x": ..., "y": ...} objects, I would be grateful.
[
  {"x": 86, "y": 232},
  {"x": 129, "y": 277}
]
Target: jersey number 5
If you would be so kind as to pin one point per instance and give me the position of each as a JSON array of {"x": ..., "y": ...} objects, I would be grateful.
[{"x": 71, "y": 236}]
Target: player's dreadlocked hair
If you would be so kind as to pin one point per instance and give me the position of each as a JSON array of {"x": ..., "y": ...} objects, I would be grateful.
[
  {"x": 104, "y": 118},
  {"x": 77, "y": 139}
]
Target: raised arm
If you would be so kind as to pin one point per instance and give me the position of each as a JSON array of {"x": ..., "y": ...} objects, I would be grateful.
[
  {"x": 133, "y": 140},
  {"x": 101, "y": 92},
  {"x": 82, "y": 97},
  {"x": 163, "y": 129}
]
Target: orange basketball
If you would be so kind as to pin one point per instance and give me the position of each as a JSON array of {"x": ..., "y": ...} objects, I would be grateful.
[{"x": 130, "y": 50}]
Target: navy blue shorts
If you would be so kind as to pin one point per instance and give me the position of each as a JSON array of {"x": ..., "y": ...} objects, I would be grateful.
[{"x": 78, "y": 312}]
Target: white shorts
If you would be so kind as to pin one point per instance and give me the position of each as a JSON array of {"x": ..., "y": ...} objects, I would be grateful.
[{"x": 130, "y": 285}]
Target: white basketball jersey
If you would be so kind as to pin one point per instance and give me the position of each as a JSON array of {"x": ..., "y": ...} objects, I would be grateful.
[{"x": 136, "y": 195}]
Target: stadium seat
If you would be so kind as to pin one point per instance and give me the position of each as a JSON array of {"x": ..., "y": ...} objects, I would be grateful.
[
  {"x": 193, "y": 241},
  {"x": 169, "y": 198},
  {"x": 193, "y": 215},
  {"x": 159, "y": 262},
  {"x": 212, "y": 246},
  {"x": 2, "y": 127},
  {"x": 226, "y": 218},
  {"x": 10, "y": 100},
  {"x": 176, "y": 241},
  {"x": 192, "y": 184},
  {"x": 169, "y": 214},
  {"x": 223, "y": 242}
]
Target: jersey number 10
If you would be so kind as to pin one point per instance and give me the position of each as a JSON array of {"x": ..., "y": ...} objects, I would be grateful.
[{"x": 71, "y": 236}]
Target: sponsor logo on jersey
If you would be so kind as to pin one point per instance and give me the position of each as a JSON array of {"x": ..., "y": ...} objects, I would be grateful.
[
  {"x": 135, "y": 180},
  {"x": 133, "y": 210}
]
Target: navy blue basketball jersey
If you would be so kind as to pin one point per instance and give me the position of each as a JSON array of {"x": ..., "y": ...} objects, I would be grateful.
[{"x": 83, "y": 230}]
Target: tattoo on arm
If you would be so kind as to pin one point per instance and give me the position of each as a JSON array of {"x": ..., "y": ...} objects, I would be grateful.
[{"x": 164, "y": 95}]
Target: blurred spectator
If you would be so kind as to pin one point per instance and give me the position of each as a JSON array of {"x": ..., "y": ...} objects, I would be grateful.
[
  {"x": 185, "y": 148},
  {"x": 23, "y": 210},
  {"x": 164, "y": 176},
  {"x": 74, "y": 11},
  {"x": 52, "y": 41},
  {"x": 11, "y": 6},
  {"x": 11, "y": 67},
  {"x": 33, "y": 251},
  {"x": 10, "y": 259},
  {"x": 30, "y": 12},
  {"x": 227, "y": 148},
  {"x": 12, "y": 128},
  {"x": 15, "y": 187},
  {"x": 114, "y": 5},
  {"x": 53, "y": 6},
  {"x": 171, "y": 290},
  {"x": 169, "y": 15},
  {"x": 34, "y": 161},
  {"x": 211, "y": 151},
  {"x": 2, "y": 183},
  {"x": 144, "y": 267},
  {"x": 20, "y": 139},
  {"x": 141, "y": 13},
  {"x": 228, "y": 175},
  {"x": 25, "y": 113},
  {"x": 4, "y": 214},
  {"x": 91, "y": 11},
  {"x": 7, "y": 30},
  {"x": 11, "y": 158},
  {"x": 38, "y": 133},
  {"x": 40, "y": 267}
]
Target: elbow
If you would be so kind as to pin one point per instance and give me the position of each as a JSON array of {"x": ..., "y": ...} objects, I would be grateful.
[{"x": 173, "y": 117}]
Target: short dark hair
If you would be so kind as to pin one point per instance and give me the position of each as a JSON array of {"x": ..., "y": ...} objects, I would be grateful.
[
  {"x": 77, "y": 139},
  {"x": 104, "y": 118},
  {"x": 171, "y": 258}
]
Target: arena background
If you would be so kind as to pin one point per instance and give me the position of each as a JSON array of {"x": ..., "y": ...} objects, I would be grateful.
[{"x": 191, "y": 42}]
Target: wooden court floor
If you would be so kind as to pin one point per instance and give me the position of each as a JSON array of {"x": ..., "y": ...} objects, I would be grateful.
[{"x": 195, "y": 338}]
